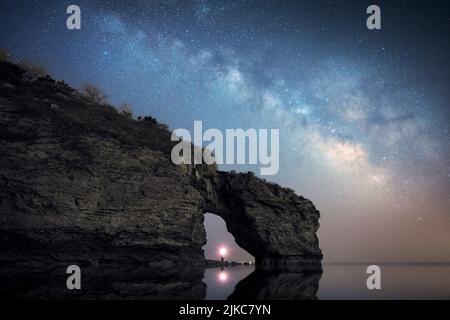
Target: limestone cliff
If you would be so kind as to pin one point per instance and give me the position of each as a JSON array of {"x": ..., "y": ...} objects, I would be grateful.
[{"x": 81, "y": 183}]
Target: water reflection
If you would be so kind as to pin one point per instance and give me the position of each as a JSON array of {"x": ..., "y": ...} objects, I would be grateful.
[
  {"x": 398, "y": 281},
  {"x": 106, "y": 282},
  {"x": 338, "y": 281},
  {"x": 275, "y": 285},
  {"x": 244, "y": 282},
  {"x": 223, "y": 276},
  {"x": 220, "y": 282},
  {"x": 233, "y": 283}
]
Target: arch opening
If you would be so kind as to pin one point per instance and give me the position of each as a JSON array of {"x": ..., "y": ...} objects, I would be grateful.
[{"x": 221, "y": 243}]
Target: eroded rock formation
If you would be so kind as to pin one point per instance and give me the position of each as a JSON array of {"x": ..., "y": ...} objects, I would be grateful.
[
  {"x": 272, "y": 223},
  {"x": 81, "y": 183}
]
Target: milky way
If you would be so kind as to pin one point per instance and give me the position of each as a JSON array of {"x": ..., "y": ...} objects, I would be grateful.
[{"x": 363, "y": 114}]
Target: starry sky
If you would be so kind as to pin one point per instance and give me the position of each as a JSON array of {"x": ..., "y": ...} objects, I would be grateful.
[{"x": 363, "y": 114}]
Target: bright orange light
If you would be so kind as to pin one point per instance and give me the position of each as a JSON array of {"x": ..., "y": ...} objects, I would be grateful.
[{"x": 223, "y": 251}]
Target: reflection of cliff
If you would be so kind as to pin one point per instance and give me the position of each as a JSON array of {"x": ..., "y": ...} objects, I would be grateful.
[
  {"x": 264, "y": 285},
  {"x": 103, "y": 282},
  {"x": 81, "y": 183}
]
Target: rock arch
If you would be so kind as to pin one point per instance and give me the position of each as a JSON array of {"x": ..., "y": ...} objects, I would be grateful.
[{"x": 272, "y": 223}]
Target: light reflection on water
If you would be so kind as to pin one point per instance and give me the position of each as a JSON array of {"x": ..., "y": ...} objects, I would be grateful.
[
  {"x": 338, "y": 281},
  {"x": 236, "y": 283},
  {"x": 221, "y": 282},
  {"x": 223, "y": 276}
]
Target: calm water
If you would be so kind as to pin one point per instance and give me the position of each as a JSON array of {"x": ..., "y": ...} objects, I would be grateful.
[
  {"x": 397, "y": 282},
  {"x": 338, "y": 281},
  {"x": 221, "y": 283}
]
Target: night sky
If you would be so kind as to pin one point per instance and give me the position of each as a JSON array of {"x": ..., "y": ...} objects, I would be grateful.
[{"x": 363, "y": 114}]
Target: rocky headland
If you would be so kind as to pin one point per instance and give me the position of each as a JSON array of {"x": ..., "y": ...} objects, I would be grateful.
[{"x": 81, "y": 183}]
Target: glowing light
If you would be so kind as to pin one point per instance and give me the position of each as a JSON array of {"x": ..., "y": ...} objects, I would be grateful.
[
  {"x": 223, "y": 251},
  {"x": 223, "y": 276}
]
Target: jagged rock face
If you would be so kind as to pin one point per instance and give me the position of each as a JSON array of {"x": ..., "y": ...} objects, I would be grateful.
[{"x": 81, "y": 183}]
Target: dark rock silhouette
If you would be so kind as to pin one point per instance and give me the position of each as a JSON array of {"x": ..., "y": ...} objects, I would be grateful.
[{"x": 82, "y": 184}]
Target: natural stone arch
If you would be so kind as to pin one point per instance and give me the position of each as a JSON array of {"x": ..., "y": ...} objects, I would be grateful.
[{"x": 272, "y": 223}]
